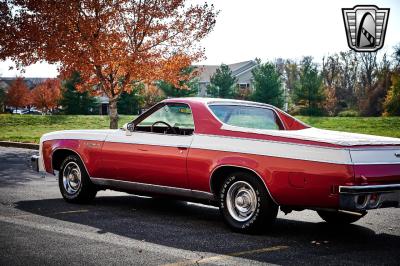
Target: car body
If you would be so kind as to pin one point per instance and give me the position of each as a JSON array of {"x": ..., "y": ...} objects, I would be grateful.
[
  {"x": 31, "y": 111},
  {"x": 18, "y": 112},
  {"x": 233, "y": 153}
]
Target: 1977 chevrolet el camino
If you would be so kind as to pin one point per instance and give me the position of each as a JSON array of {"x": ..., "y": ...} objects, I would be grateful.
[{"x": 248, "y": 158}]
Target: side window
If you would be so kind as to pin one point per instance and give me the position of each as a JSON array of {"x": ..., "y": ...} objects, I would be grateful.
[
  {"x": 172, "y": 118},
  {"x": 247, "y": 116}
]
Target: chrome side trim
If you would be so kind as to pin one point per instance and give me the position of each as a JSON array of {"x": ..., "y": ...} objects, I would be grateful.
[
  {"x": 150, "y": 188},
  {"x": 369, "y": 189},
  {"x": 243, "y": 167}
]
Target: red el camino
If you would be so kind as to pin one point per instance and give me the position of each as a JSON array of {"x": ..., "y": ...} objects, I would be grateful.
[{"x": 248, "y": 158}]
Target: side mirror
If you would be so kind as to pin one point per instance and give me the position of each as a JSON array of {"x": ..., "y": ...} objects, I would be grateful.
[{"x": 128, "y": 128}]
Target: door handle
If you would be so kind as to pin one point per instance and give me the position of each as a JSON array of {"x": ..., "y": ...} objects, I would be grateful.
[{"x": 182, "y": 147}]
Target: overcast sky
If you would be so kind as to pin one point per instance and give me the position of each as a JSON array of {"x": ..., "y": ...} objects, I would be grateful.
[{"x": 269, "y": 30}]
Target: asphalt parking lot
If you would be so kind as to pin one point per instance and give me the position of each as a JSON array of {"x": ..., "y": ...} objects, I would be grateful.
[{"x": 38, "y": 227}]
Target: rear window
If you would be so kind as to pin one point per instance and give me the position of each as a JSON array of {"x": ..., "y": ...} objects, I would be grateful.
[{"x": 247, "y": 116}]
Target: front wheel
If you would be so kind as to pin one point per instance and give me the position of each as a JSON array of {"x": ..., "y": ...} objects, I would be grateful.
[
  {"x": 336, "y": 217},
  {"x": 245, "y": 203},
  {"x": 74, "y": 182}
]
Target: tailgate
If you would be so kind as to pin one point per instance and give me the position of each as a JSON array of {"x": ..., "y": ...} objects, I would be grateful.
[{"x": 379, "y": 165}]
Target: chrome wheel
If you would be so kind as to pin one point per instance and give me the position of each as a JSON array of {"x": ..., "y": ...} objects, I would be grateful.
[
  {"x": 241, "y": 201},
  {"x": 72, "y": 178}
]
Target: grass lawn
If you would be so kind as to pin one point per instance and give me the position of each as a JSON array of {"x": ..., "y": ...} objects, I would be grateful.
[
  {"x": 29, "y": 128},
  {"x": 381, "y": 126}
]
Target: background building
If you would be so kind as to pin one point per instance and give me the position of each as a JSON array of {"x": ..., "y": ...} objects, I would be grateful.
[
  {"x": 241, "y": 70},
  {"x": 31, "y": 83}
]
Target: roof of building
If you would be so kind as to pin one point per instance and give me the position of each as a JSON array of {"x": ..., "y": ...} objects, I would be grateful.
[
  {"x": 5, "y": 82},
  {"x": 206, "y": 71}
]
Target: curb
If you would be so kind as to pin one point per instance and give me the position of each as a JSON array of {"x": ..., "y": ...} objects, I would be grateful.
[{"x": 32, "y": 146}]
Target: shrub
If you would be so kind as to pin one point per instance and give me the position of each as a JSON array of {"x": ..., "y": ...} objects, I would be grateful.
[{"x": 348, "y": 113}]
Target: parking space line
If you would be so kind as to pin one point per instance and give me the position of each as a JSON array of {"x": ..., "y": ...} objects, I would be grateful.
[
  {"x": 75, "y": 211},
  {"x": 54, "y": 213},
  {"x": 227, "y": 256}
]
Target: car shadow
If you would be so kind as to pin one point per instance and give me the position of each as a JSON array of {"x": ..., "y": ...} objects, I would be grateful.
[{"x": 200, "y": 228}]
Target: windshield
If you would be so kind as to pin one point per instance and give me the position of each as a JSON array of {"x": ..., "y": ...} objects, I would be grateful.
[{"x": 247, "y": 116}]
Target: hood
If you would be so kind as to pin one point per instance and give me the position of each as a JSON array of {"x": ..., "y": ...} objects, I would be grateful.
[
  {"x": 322, "y": 135},
  {"x": 87, "y": 134}
]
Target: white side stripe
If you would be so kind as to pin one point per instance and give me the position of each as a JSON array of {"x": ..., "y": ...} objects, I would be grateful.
[
  {"x": 271, "y": 148},
  {"x": 147, "y": 138},
  {"x": 370, "y": 155},
  {"x": 96, "y": 135},
  {"x": 375, "y": 156}
]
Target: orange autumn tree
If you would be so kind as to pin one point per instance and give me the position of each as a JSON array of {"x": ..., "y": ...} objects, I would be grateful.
[
  {"x": 113, "y": 44},
  {"x": 18, "y": 95},
  {"x": 151, "y": 95},
  {"x": 47, "y": 95}
]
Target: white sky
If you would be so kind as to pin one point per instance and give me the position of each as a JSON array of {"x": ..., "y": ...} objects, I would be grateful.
[{"x": 269, "y": 30}]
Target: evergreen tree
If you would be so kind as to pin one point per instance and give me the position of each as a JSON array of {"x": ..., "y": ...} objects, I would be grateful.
[
  {"x": 267, "y": 85},
  {"x": 396, "y": 55},
  {"x": 222, "y": 83},
  {"x": 74, "y": 102},
  {"x": 308, "y": 91},
  {"x": 130, "y": 102},
  {"x": 188, "y": 86}
]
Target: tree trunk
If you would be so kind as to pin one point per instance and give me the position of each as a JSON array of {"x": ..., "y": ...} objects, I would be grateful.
[{"x": 113, "y": 114}]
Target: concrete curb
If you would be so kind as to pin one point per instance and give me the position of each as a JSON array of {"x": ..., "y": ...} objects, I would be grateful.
[{"x": 32, "y": 146}]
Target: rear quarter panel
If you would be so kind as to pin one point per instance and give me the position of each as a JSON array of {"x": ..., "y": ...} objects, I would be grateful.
[{"x": 290, "y": 182}]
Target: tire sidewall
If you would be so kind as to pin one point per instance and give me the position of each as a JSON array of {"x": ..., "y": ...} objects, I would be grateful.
[
  {"x": 82, "y": 169},
  {"x": 259, "y": 215}
]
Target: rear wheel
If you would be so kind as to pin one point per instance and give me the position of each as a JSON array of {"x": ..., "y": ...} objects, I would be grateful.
[
  {"x": 336, "y": 217},
  {"x": 74, "y": 182},
  {"x": 245, "y": 203}
]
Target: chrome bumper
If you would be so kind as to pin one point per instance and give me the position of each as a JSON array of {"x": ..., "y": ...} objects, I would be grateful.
[
  {"x": 359, "y": 198},
  {"x": 35, "y": 163}
]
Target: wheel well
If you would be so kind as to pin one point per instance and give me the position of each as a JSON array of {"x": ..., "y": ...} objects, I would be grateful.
[
  {"x": 219, "y": 175},
  {"x": 59, "y": 156}
]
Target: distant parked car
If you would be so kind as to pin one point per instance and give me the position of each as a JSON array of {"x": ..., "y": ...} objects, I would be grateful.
[
  {"x": 246, "y": 157},
  {"x": 18, "y": 112}
]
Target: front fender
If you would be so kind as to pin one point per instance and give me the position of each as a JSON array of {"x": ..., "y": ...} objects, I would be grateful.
[{"x": 88, "y": 150}]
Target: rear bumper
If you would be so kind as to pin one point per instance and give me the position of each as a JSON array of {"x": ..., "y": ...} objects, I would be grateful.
[{"x": 359, "y": 198}]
